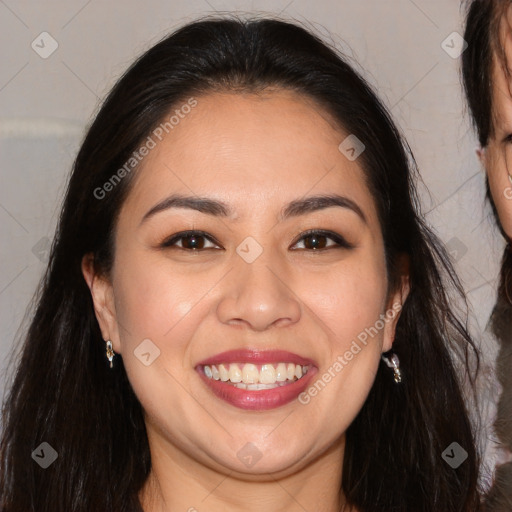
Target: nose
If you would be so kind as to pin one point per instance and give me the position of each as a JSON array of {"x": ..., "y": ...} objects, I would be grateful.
[{"x": 259, "y": 295}]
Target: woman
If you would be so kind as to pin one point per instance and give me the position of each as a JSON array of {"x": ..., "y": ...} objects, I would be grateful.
[
  {"x": 486, "y": 73},
  {"x": 238, "y": 250}
]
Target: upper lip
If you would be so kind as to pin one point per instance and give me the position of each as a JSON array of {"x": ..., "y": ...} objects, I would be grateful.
[{"x": 258, "y": 357}]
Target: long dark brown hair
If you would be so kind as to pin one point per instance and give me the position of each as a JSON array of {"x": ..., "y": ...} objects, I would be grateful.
[
  {"x": 482, "y": 35},
  {"x": 64, "y": 392}
]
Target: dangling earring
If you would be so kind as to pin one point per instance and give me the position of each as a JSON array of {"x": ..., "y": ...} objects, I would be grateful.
[
  {"x": 393, "y": 362},
  {"x": 110, "y": 352}
]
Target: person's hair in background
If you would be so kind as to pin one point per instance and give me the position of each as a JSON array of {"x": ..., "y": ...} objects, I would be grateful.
[
  {"x": 64, "y": 391},
  {"x": 485, "y": 65}
]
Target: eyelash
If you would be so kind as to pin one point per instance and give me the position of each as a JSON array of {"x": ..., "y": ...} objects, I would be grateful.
[{"x": 338, "y": 239}]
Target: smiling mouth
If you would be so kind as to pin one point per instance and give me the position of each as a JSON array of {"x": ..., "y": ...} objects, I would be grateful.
[{"x": 255, "y": 377}]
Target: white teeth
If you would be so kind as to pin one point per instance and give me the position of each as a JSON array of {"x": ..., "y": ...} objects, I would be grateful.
[
  {"x": 252, "y": 377},
  {"x": 224, "y": 374},
  {"x": 290, "y": 371},
  {"x": 281, "y": 372},
  {"x": 250, "y": 374},
  {"x": 235, "y": 375},
  {"x": 256, "y": 387},
  {"x": 268, "y": 374}
]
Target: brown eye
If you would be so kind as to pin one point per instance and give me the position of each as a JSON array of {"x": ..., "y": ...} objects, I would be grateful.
[
  {"x": 190, "y": 241},
  {"x": 315, "y": 242},
  {"x": 318, "y": 241}
]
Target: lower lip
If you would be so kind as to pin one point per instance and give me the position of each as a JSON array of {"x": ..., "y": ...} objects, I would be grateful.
[{"x": 258, "y": 400}]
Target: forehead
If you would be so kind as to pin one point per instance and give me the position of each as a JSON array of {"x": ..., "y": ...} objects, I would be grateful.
[
  {"x": 244, "y": 148},
  {"x": 246, "y": 126}
]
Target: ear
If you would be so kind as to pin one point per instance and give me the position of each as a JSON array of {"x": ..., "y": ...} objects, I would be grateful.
[
  {"x": 396, "y": 301},
  {"x": 103, "y": 299},
  {"x": 480, "y": 153}
]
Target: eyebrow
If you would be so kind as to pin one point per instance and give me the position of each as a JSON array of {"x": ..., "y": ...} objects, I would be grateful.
[{"x": 220, "y": 209}]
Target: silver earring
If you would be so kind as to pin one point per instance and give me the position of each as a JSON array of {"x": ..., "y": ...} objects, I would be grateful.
[
  {"x": 393, "y": 362},
  {"x": 110, "y": 352}
]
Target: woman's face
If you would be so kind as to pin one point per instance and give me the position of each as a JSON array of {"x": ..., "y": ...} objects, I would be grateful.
[
  {"x": 498, "y": 153},
  {"x": 252, "y": 283}
]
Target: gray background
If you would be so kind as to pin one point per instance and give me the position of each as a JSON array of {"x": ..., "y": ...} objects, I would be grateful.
[{"x": 45, "y": 105}]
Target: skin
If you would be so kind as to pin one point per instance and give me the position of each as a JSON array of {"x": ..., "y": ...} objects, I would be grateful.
[
  {"x": 256, "y": 153},
  {"x": 497, "y": 156}
]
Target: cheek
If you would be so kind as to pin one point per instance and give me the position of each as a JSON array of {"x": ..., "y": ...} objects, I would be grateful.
[
  {"x": 152, "y": 301},
  {"x": 500, "y": 185},
  {"x": 350, "y": 309},
  {"x": 501, "y": 191},
  {"x": 166, "y": 307},
  {"x": 349, "y": 299},
  {"x": 352, "y": 306}
]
